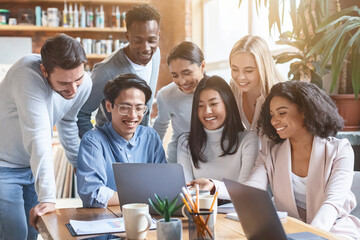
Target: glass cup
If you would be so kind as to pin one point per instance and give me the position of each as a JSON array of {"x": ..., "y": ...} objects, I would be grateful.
[{"x": 201, "y": 225}]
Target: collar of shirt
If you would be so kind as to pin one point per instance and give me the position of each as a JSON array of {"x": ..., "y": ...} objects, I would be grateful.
[{"x": 120, "y": 140}]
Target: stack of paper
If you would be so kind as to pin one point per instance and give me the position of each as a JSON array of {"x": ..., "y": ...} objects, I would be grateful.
[{"x": 112, "y": 225}]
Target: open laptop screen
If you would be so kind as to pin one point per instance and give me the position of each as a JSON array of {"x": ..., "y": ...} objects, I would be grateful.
[
  {"x": 256, "y": 212},
  {"x": 136, "y": 182}
]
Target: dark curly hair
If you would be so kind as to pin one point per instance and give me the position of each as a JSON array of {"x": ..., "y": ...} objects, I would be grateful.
[
  {"x": 232, "y": 124},
  {"x": 142, "y": 13},
  {"x": 321, "y": 116}
]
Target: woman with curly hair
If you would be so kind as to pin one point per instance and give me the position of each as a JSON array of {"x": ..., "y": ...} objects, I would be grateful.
[
  {"x": 310, "y": 172},
  {"x": 217, "y": 145}
]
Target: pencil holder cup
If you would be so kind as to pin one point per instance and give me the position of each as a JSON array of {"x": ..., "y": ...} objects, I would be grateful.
[{"x": 201, "y": 225}]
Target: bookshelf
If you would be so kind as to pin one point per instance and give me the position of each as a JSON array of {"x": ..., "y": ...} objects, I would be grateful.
[{"x": 40, "y": 33}]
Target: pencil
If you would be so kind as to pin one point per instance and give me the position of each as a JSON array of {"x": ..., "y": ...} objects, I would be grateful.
[
  {"x": 214, "y": 200},
  {"x": 185, "y": 202},
  {"x": 188, "y": 197},
  {"x": 212, "y": 205},
  {"x": 197, "y": 198}
]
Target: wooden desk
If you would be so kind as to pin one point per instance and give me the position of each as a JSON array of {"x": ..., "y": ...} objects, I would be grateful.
[{"x": 52, "y": 225}]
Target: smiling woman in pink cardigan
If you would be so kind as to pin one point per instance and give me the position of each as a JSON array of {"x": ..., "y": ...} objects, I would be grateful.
[{"x": 310, "y": 172}]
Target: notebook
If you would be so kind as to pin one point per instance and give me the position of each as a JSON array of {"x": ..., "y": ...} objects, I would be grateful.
[
  {"x": 257, "y": 214},
  {"x": 136, "y": 182}
]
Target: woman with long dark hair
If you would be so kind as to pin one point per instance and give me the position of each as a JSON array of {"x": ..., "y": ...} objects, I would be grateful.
[{"x": 217, "y": 145}]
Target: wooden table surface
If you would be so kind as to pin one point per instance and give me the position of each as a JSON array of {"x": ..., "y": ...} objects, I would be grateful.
[{"x": 52, "y": 225}]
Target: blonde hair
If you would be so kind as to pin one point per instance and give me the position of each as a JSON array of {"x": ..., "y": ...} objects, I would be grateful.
[{"x": 269, "y": 75}]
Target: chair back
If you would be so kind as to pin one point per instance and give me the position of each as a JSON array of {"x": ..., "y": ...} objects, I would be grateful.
[{"x": 355, "y": 188}]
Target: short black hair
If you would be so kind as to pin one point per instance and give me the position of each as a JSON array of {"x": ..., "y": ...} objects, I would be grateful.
[
  {"x": 232, "y": 125},
  {"x": 113, "y": 87},
  {"x": 188, "y": 51},
  {"x": 142, "y": 13},
  {"x": 321, "y": 117},
  {"x": 62, "y": 51}
]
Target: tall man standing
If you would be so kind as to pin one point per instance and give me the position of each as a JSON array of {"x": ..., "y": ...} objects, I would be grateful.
[
  {"x": 141, "y": 57},
  {"x": 37, "y": 93}
]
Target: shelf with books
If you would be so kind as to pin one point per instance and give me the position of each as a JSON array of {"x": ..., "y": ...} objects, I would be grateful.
[
  {"x": 32, "y": 28},
  {"x": 130, "y": 2}
]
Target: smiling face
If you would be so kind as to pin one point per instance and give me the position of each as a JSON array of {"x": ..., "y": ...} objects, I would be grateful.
[
  {"x": 125, "y": 125},
  {"x": 186, "y": 75},
  {"x": 245, "y": 72},
  {"x": 211, "y": 109},
  {"x": 65, "y": 82},
  {"x": 143, "y": 38},
  {"x": 286, "y": 118}
]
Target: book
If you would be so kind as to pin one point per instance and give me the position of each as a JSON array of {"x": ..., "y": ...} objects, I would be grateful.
[
  {"x": 234, "y": 216},
  {"x": 226, "y": 208}
]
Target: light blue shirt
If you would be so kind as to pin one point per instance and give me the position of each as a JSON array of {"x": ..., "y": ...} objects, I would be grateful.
[
  {"x": 29, "y": 108},
  {"x": 103, "y": 146}
]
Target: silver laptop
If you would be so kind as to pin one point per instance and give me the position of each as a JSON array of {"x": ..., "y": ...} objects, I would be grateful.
[
  {"x": 258, "y": 216},
  {"x": 136, "y": 182}
]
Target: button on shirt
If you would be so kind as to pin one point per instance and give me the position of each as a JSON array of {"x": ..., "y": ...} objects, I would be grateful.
[{"x": 101, "y": 147}]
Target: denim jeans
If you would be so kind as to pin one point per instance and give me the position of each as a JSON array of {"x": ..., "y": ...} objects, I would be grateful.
[{"x": 17, "y": 198}]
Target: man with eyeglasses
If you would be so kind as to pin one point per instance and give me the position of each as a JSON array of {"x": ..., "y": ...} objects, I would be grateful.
[
  {"x": 140, "y": 56},
  {"x": 120, "y": 140}
]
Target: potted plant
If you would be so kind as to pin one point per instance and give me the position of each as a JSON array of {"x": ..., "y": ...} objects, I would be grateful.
[
  {"x": 167, "y": 228},
  {"x": 340, "y": 46},
  {"x": 304, "y": 66}
]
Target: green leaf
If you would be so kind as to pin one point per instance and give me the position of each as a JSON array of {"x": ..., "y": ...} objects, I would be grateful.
[
  {"x": 178, "y": 207},
  {"x": 173, "y": 204},
  {"x": 287, "y": 57},
  {"x": 156, "y": 207},
  {"x": 293, "y": 14},
  {"x": 159, "y": 200},
  {"x": 338, "y": 17}
]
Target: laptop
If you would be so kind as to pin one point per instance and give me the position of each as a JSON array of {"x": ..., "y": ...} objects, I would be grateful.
[
  {"x": 136, "y": 182},
  {"x": 257, "y": 214}
]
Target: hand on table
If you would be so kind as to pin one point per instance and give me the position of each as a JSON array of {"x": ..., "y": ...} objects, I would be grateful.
[{"x": 39, "y": 210}]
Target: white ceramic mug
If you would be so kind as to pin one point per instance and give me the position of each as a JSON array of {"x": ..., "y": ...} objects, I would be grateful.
[
  {"x": 137, "y": 220},
  {"x": 205, "y": 202}
]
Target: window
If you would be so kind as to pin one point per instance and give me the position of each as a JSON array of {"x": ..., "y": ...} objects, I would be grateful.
[{"x": 224, "y": 23}]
